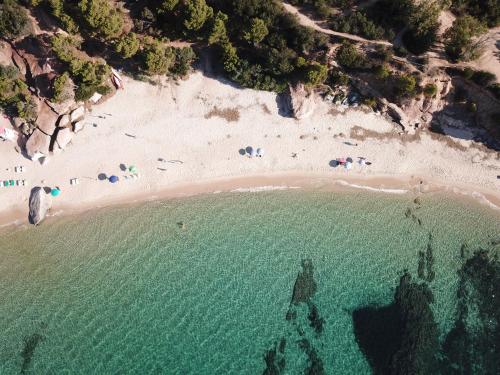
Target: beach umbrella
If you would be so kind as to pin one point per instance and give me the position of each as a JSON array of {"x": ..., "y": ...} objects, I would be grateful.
[
  {"x": 132, "y": 169},
  {"x": 253, "y": 153},
  {"x": 260, "y": 152},
  {"x": 341, "y": 161},
  {"x": 113, "y": 179},
  {"x": 362, "y": 161},
  {"x": 55, "y": 192},
  {"x": 349, "y": 160},
  {"x": 348, "y": 165}
]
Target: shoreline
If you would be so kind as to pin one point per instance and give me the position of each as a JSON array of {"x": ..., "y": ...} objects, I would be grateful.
[
  {"x": 182, "y": 142},
  {"x": 264, "y": 183}
]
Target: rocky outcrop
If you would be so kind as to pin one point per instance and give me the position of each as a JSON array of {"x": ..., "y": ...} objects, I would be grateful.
[
  {"x": 39, "y": 203},
  {"x": 303, "y": 101},
  {"x": 398, "y": 115},
  {"x": 64, "y": 121},
  {"x": 38, "y": 145}
]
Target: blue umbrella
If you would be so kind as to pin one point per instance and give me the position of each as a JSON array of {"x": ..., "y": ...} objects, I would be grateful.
[
  {"x": 55, "y": 192},
  {"x": 113, "y": 179}
]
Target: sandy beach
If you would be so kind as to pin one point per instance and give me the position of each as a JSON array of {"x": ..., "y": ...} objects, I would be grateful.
[{"x": 187, "y": 138}]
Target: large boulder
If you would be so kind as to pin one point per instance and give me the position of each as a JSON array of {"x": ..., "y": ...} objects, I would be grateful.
[
  {"x": 398, "y": 115},
  {"x": 47, "y": 119},
  {"x": 78, "y": 114},
  {"x": 39, "y": 204},
  {"x": 64, "y": 136},
  {"x": 303, "y": 101},
  {"x": 38, "y": 145},
  {"x": 5, "y": 53}
]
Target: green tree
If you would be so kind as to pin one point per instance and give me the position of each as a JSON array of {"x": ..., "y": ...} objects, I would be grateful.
[
  {"x": 14, "y": 20},
  {"x": 157, "y": 58},
  {"x": 230, "y": 58},
  {"x": 316, "y": 74},
  {"x": 102, "y": 17},
  {"x": 196, "y": 13},
  {"x": 257, "y": 32},
  {"x": 167, "y": 6},
  {"x": 128, "y": 45},
  {"x": 461, "y": 38},
  {"x": 63, "y": 88},
  {"x": 219, "y": 31}
]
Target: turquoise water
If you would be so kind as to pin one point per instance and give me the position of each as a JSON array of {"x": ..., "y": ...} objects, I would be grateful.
[{"x": 129, "y": 290}]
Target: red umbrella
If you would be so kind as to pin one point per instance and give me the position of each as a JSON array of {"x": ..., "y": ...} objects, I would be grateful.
[{"x": 341, "y": 161}]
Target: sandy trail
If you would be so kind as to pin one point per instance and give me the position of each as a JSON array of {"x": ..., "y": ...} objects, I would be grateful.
[
  {"x": 489, "y": 61},
  {"x": 179, "y": 122}
]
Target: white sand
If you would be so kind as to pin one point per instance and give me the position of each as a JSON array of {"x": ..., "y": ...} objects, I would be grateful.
[{"x": 169, "y": 122}]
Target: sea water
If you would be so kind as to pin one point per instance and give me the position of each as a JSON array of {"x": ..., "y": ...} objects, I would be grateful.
[{"x": 203, "y": 285}]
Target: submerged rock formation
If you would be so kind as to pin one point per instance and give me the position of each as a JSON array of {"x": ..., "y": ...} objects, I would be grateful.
[
  {"x": 39, "y": 204},
  {"x": 400, "y": 338}
]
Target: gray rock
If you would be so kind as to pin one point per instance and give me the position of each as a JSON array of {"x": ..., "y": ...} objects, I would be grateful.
[{"x": 39, "y": 203}]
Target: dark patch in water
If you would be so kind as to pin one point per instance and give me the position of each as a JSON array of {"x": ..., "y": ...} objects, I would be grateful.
[
  {"x": 275, "y": 359},
  {"x": 30, "y": 344},
  {"x": 315, "y": 321},
  {"x": 305, "y": 286},
  {"x": 473, "y": 344},
  {"x": 426, "y": 263},
  {"x": 301, "y": 321},
  {"x": 315, "y": 363},
  {"x": 400, "y": 338}
]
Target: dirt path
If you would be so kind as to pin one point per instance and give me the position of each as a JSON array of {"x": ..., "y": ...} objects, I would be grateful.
[
  {"x": 489, "y": 61},
  {"x": 306, "y": 21}
]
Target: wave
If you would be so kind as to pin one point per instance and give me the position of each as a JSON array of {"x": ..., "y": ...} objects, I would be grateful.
[{"x": 370, "y": 188}]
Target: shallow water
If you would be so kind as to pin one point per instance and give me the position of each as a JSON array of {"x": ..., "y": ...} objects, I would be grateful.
[{"x": 131, "y": 291}]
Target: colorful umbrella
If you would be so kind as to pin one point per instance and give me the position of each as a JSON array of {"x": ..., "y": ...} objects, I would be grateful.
[
  {"x": 113, "y": 179},
  {"x": 55, "y": 192}
]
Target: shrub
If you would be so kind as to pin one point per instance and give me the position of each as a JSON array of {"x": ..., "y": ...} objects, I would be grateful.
[
  {"x": 14, "y": 20},
  {"x": 349, "y": 57},
  {"x": 316, "y": 74},
  {"x": 459, "y": 38},
  {"x": 405, "y": 85},
  {"x": 184, "y": 57},
  {"x": 430, "y": 90},
  {"x": 337, "y": 78},
  {"x": 196, "y": 13},
  {"x": 382, "y": 71},
  {"x": 128, "y": 45},
  {"x": 357, "y": 23},
  {"x": 483, "y": 78}
]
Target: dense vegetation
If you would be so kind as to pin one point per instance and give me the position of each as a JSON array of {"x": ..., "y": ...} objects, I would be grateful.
[
  {"x": 15, "y": 97},
  {"x": 485, "y": 10}
]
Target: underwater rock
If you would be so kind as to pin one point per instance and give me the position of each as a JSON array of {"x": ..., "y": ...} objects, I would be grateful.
[
  {"x": 426, "y": 263},
  {"x": 473, "y": 345},
  {"x": 400, "y": 338},
  {"x": 30, "y": 344},
  {"x": 315, "y": 321},
  {"x": 305, "y": 286},
  {"x": 275, "y": 359},
  {"x": 315, "y": 363}
]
